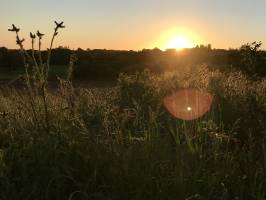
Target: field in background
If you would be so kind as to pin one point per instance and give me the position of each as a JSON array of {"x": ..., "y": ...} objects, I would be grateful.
[
  {"x": 121, "y": 143},
  {"x": 8, "y": 74}
]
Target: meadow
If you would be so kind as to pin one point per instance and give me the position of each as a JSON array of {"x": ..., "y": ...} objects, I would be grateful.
[
  {"x": 7, "y": 75},
  {"x": 121, "y": 142}
]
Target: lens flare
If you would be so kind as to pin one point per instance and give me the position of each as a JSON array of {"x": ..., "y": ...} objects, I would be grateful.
[{"x": 188, "y": 104}]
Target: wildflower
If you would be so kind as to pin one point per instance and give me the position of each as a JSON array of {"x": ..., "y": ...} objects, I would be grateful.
[
  {"x": 14, "y": 29},
  {"x": 40, "y": 35}
]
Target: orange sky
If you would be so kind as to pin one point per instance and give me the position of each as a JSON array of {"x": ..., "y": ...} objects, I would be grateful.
[{"x": 128, "y": 24}]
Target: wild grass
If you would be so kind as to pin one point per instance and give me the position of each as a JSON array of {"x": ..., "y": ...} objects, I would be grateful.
[{"x": 121, "y": 143}]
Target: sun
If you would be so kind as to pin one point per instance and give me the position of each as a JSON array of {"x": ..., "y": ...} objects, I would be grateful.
[
  {"x": 178, "y": 38},
  {"x": 179, "y": 42}
]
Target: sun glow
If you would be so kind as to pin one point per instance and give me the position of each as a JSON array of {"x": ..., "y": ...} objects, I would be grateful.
[
  {"x": 180, "y": 42},
  {"x": 177, "y": 38}
]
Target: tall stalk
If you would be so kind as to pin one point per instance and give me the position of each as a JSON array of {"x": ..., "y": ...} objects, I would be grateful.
[{"x": 37, "y": 81}]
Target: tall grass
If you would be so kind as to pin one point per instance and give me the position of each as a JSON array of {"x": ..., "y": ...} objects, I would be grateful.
[{"x": 121, "y": 143}]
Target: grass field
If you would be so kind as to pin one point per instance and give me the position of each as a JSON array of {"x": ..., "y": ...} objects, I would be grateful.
[
  {"x": 121, "y": 143},
  {"x": 9, "y": 74}
]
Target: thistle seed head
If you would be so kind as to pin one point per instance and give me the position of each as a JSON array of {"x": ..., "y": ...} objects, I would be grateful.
[
  {"x": 32, "y": 36},
  {"x": 59, "y": 25},
  {"x": 14, "y": 29},
  {"x": 40, "y": 35}
]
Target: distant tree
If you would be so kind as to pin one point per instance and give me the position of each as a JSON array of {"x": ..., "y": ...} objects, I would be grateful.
[
  {"x": 234, "y": 58},
  {"x": 60, "y": 56},
  {"x": 252, "y": 59},
  {"x": 202, "y": 46},
  {"x": 13, "y": 60}
]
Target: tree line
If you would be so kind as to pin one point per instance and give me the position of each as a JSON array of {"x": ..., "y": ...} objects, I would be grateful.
[{"x": 98, "y": 64}]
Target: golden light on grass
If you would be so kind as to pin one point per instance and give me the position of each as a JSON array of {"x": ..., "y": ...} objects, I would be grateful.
[{"x": 188, "y": 104}]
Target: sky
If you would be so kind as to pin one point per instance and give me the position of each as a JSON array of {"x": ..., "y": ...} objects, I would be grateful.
[{"x": 136, "y": 24}]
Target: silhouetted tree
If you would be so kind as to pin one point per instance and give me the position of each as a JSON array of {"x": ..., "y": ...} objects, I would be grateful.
[
  {"x": 252, "y": 60},
  {"x": 104, "y": 64}
]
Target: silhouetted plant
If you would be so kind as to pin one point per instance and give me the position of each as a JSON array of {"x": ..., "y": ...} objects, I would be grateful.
[
  {"x": 37, "y": 78},
  {"x": 250, "y": 57}
]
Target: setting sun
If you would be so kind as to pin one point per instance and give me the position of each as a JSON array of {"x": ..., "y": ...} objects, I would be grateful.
[
  {"x": 179, "y": 43},
  {"x": 178, "y": 38}
]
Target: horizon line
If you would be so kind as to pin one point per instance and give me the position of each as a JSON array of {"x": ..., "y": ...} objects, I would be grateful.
[{"x": 136, "y": 50}]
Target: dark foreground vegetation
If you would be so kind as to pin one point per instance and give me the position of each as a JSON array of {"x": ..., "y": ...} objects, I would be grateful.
[{"x": 121, "y": 143}]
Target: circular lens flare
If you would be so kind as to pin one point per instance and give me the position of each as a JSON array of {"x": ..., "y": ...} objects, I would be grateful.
[
  {"x": 189, "y": 108},
  {"x": 188, "y": 104}
]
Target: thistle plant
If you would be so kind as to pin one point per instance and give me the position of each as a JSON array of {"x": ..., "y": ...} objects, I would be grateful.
[
  {"x": 20, "y": 44},
  {"x": 37, "y": 78},
  {"x": 40, "y": 68}
]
